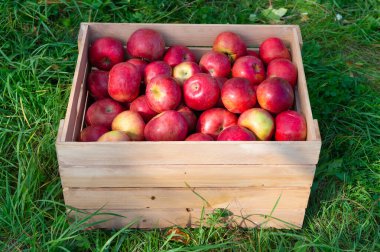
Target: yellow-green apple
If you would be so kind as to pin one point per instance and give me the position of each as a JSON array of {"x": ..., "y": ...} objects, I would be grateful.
[
  {"x": 238, "y": 95},
  {"x": 140, "y": 64},
  {"x": 283, "y": 68},
  {"x": 163, "y": 93},
  {"x": 275, "y": 95},
  {"x": 169, "y": 125},
  {"x": 199, "y": 137},
  {"x": 216, "y": 64},
  {"x": 189, "y": 115},
  {"x": 220, "y": 81},
  {"x": 147, "y": 44},
  {"x": 155, "y": 69},
  {"x": 214, "y": 120},
  {"x": 290, "y": 126},
  {"x": 177, "y": 54},
  {"x": 259, "y": 121},
  {"x": 124, "y": 82},
  {"x": 185, "y": 70},
  {"x": 236, "y": 133},
  {"x": 253, "y": 53},
  {"x": 97, "y": 84},
  {"x": 249, "y": 67},
  {"x": 92, "y": 133},
  {"x": 114, "y": 136},
  {"x": 106, "y": 52},
  {"x": 131, "y": 123},
  {"x": 273, "y": 48},
  {"x": 102, "y": 112},
  {"x": 230, "y": 44},
  {"x": 140, "y": 105},
  {"x": 201, "y": 92}
]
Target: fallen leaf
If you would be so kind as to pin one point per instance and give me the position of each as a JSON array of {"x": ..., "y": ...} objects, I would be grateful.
[
  {"x": 178, "y": 235},
  {"x": 274, "y": 15}
]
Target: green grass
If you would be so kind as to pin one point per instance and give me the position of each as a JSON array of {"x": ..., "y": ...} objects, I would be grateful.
[{"x": 37, "y": 59}]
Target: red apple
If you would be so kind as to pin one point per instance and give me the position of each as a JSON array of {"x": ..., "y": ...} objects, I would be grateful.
[
  {"x": 185, "y": 70},
  {"x": 249, "y": 67},
  {"x": 163, "y": 93},
  {"x": 114, "y": 136},
  {"x": 155, "y": 69},
  {"x": 106, "y": 52},
  {"x": 220, "y": 81},
  {"x": 124, "y": 82},
  {"x": 102, "y": 112},
  {"x": 199, "y": 137},
  {"x": 236, "y": 133},
  {"x": 177, "y": 54},
  {"x": 275, "y": 95},
  {"x": 141, "y": 106},
  {"x": 97, "y": 84},
  {"x": 201, "y": 92},
  {"x": 140, "y": 64},
  {"x": 290, "y": 126},
  {"x": 216, "y": 64},
  {"x": 283, "y": 68},
  {"x": 253, "y": 53},
  {"x": 230, "y": 44},
  {"x": 131, "y": 123},
  {"x": 273, "y": 48},
  {"x": 167, "y": 126},
  {"x": 189, "y": 115},
  {"x": 92, "y": 133},
  {"x": 259, "y": 121},
  {"x": 238, "y": 95},
  {"x": 147, "y": 44},
  {"x": 214, "y": 120}
]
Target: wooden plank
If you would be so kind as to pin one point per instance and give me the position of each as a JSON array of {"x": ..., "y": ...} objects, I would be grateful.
[
  {"x": 76, "y": 95},
  {"x": 193, "y": 175},
  {"x": 213, "y": 152},
  {"x": 302, "y": 87},
  {"x": 194, "y": 34},
  {"x": 159, "y": 218},
  {"x": 317, "y": 132},
  {"x": 136, "y": 198}
]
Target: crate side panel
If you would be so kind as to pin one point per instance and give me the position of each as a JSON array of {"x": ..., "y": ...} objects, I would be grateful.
[
  {"x": 159, "y": 218},
  {"x": 302, "y": 90},
  {"x": 75, "y": 107},
  {"x": 194, "y": 34},
  {"x": 193, "y": 175},
  {"x": 160, "y": 153},
  {"x": 141, "y": 198}
]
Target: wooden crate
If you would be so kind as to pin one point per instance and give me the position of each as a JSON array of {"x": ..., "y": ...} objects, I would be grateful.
[{"x": 170, "y": 183}]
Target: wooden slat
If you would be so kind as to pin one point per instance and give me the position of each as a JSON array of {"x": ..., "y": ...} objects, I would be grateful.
[
  {"x": 302, "y": 87},
  {"x": 193, "y": 175},
  {"x": 163, "y": 218},
  {"x": 137, "y": 198},
  {"x": 195, "y": 34},
  {"x": 161, "y": 153},
  {"x": 75, "y": 108}
]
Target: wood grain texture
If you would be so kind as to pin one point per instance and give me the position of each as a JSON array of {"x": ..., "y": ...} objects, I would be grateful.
[
  {"x": 193, "y": 175},
  {"x": 303, "y": 94},
  {"x": 161, "y": 153},
  {"x": 78, "y": 93},
  {"x": 195, "y": 34},
  {"x": 163, "y": 218},
  {"x": 142, "y": 198}
]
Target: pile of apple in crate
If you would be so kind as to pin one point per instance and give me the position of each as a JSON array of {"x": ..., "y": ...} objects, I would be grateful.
[{"x": 158, "y": 94}]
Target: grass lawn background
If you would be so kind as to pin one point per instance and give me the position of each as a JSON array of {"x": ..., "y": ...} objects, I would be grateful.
[{"x": 38, "y": 52}]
